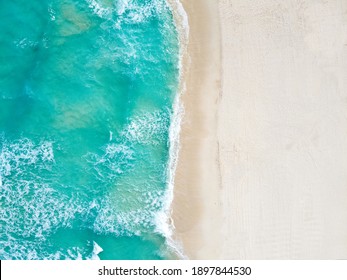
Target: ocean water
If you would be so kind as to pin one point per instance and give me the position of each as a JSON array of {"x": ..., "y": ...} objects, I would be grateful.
[{"x": 87, "y": 89}]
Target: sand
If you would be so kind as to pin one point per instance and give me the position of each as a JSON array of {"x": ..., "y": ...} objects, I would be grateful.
[
  {"x": 262, "y": 171},
  {"x": 196, "y": 205}
]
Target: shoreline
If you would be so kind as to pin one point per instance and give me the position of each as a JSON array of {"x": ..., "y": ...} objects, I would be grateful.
[{"x": 197, "y": 172}]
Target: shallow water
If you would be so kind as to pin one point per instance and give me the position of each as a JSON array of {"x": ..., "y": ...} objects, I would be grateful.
[{"x": 86, "y": 96}]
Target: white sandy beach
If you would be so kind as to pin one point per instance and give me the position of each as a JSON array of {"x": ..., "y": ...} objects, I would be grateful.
[{"x": 262, "y": 170}]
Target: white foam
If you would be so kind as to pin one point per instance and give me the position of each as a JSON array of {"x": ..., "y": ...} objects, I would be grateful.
[
  {"x": 99, "y": 10},
  {"x": 24, "y": 152},
  {"x": 115, "y": 159},
  {"x": 31, "y": 208},
  {"x": 125, "y": 223},
  {"x": 127, "y": 11},
  {"x": 96, "y": 251},
  {"x": 148, "y": 128},
  {"x": 28, "y": 250},
  {"x": 165, "y": 223},
  {"x": 25, "y": 43},
  {"x": 182, "y": 24},
  {"x": 121, "y": 6},
  {"x": 51, "y": 13}
]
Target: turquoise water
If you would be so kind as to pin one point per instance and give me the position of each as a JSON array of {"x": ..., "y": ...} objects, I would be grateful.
[{"x": 86, "y": 98}]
